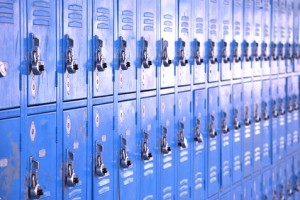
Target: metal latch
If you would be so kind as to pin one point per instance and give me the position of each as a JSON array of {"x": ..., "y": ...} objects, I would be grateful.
[
  {"x": 247, "y": 119},
  {"x": 165, "y": 148},
  {"x": 37, "y": 66},
  {"x": 225, "y": 128},
  {"x": 198, "y": 135},
  {"x": 234, "y": 52},
  {"x": 145, "y": 153},
  {"x": 236, "y": 122},
  {"x": 256, "y": 113},
  {"x": 71, "y": 64},
  {"x": 71, "y": 177},
  {"x": 100, "y": 168},
  {"x": 265, "y": 111},
  {"x": 100, "y": 63},
  {"x": 197, "y": 57},
  {"x": 255, "y": 51},
  {"x": 264, "y": 47},
  {"x": 35, "y": 191},
  {"x": 124, "y": 159},
  {"x": 212, "y": 131},
  {"x": 182, "y": 59},
  {"x": 145, "y": 58},
  {"x": 182, "y": 142},
  {"x": 211, "y": 50},
  {"x": 223, "y": 52},
  {"x": 124, "y": 63},
  {"x": 165, "y": 57}
]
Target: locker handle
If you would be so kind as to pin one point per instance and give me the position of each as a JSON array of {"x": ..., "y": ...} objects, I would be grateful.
[
  {"x": 264, "y": 47},
  {"x": 280, "y": 51},
  {"x": 295, "y": 104},
  {"x": 247, "y": 120},
  {"x": 3, "y": 68},
  {"x": 71, "y": 63},
  {"x": 198, "y": 135},
  {"x": 145, "y": 152},
  {"x": 165, "y": 57},
  {"x": 182, "y": 142},
  {"x": 37, "y": 65},
  {"x": 197, "y": 56},
  {"x": 296, "y": 185},
  {"x": 255, "y": 55},
  {"x": 256, "y": 114},
  {"x": 273, "y": 51},
  {"x": 223, "y": 52},
  {"x": 236, "y": 122},
  {"x": 100, "y": 169},
  {"x": 35, "y": 191},
  {"x": 290, "y": 191},
  {"x": 100, "y": 63},
  {"x": 234, "y": 52},
  {"x": 181, "y": 53},
  {"x": 146, "y": 62},
  {"x": 212, "y": 131},
  {"x": 124, "y": 63},
  {"x": 125, "y": 162},
  {"x": 225, "y": 128},
  {"x": 288, "y": 49},
  {"x": 71, "y": 177},
  {"x": 165, "y": 148}
]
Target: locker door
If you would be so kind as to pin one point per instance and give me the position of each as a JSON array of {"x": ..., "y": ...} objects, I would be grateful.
[
  {"x": 281, "y": 180},
  {"x": 127, "y": 158},
  {"x": 237, "y": 145},
  {"x": 183, "y": 47},
  {"x": 275, "y": 191},
  {"x": 274, "y": 121},
  {"x": 147, "y": 47},
  {"x": 40, "y": 152},
  {"x": 282, "y": 117},
  {"x": 266, "y": 184},
  {"x": 167, "y": 43},
  {"x": 257, "y": 187},
  {"x": 211, "y": 60},
  {"x": 257, "y": 38},
  {"x": 266, "y": 37},
  {"x": 10, "y": 55},
  {"x": 102, "y": 51},
  {"x": 184, "y": 137},
  {"x": 198, "y": 45},
  {"x": 289, "y": 114},
  {"x": 74, "y": 167},
  {"x": 10, "y": 159},
  {"x": 296, "y": 45},
  {"x": 282, "y": 36},
  {"x": 247, "y": 189},
  {"x": 199, "y": 145},
  {"x": 213, "y": 145},
  {"x": 147, "y": 143},
  {"x": 296, "y": 113},
  {"x": 247, "y": 38},
  {"x": 74, "y": 53},
  {"x": 41, "y": 50},
  {"x": 275, "y": 37},
  {"x": 289, "y": 172},
  {"x": 289, "y": 36},
  {"x": 103, "y": 168},
  {"x": 237, "y": 193},
  {"x": 297, "y": 176},
  {"x": 167, "y": 148}
]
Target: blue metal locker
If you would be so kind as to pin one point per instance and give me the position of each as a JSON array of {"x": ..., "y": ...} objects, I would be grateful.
[
  {"x": 247, "y": 38},
  {"x": 126, "y": 149},
  {"x": 10, "y": 159},
  {"x": 282, "y": 35},
  {"x": 247, "y": 189},
  {"x": 147, "y": 142},
  {"x": 200, "y": 137},
  {"x": 257, "y": 38},
  {"x": 281, "y": 180},
  {"x": 257, "y": 187},
  {"x": 10, "y": 60},
  {"x": 266, "y": 184},
  {"x": 275, "y": 37},
  {"x": 296, "y": 182},
  {"x": 289, "y": 115},
  {"x": 296, "y": 112},
  {"x": 289, "y": 173},
  {"x": 39, "y": 142},
  {"x": 275, "y": 191},
  {"x": 274, "y": 121},
  {"x": 102, "y": 52},
  {"x": 282, "y": 117},
  {"x": 41, "y": 50},
  {"x": 266, "y": 36},
  {"x": 237, "y": 193},
  {"x": 289, "y": 40},
  {"x": 103, "y": 159}
]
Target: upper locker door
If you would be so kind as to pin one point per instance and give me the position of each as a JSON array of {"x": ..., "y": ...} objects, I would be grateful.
[
  {"x": 103, "y": 47},
  {"x": 41, "y": 50},
  {"x": 247, "y": 38},
  {"x": 126, "y": 46},
  {"x": 257, "y": 38},
  {"x": 275, "y": 36},
  {"x": 74, "y": 49},
  {"x": 266, "y": 37},
  {"x": 288, "y": 46},
  {"x": 282, "y": 36},
  {"x": 147, "y": 36},
  {"x": 10, "y": 54}
]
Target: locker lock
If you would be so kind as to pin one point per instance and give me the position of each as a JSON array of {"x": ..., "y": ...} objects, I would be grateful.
[
  {"x": 212, "y": 131},
  {"x": 164, "y": 50},
  {"x": 182, "y": 142},
  {"x": 225, "y": 128},
  {"x": 290, "y": 191},
  {"x": 124, "y": 63},
  {"x": 211, "y": 50},
  {"x": 234, "y": 52},
  {"x": 181, "y": 54},
  {"x": 34, "y": 190},
  {"x": 100, "y": 169},
  {"x": 290, "y": 106},
  {"x": 255, "y": 55},
  {"x": 273, "y": 51},
  {"x": 236, "y": 122},
  {"x": 295, "y": 51},
  {"x": 198, "y": 135},
  {"x": 100, "y": 63},
  {"x": 281, "y": 107},
  {"x": 274, "y": 109},
  {"x": 125, "y": 162},
  {"x": 223, "y": 53},
  {"x": 256, "y": 113},
  {"x": 288, "y": 49},
  {"x": 165, "y": 148},
  {"x": 145, "y": 59},
  {"x": 265, "y": 111},
  {"x": 247, "y": 119},
  {"x": 71, "y": 177},
  {"x": 280, "y": 51},
  {"x": 245, "y": 46},
  {"x": 145, "y": 153},
  {"x": 3, "y": 69},
  {"x": 71, "y": 64},
  {"x": 37, "y": 66},
  {"x": 296, "y": 184},
  {"x": 296, "y": 104},
  {"x": 197, "y": 57},
  {"x": 264, "y": 47}
]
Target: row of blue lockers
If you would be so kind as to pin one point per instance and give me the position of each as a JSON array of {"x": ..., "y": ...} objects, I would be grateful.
[
  {"x": 70, "y": 50},
  {"x": 202, "y": 144}
]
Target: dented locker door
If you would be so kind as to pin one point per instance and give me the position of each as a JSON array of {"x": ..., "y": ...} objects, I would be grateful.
[
  {"x": 74, "y": 166},
  {"x": 184, "y": 138},
  {"x": 257, "y": 38},
  {"x": 127, "y": 150},
  {"x": 74, "y": 49},
  {"x": 10, "y": 159},
  {"x": 266, "y": 37},
  {"x": 282, "y": 117},
  {"x": 247, "y": 38},
  {"x": 10, "y": 60},
  {"x": 289, "y": 41},
  {"x": 200, "y": 137},
  {"x": 275, "y": 37},
  {"x": 257, "y": 124},
  {"x": 225, "y": 18},
  {"x": 166, "y": 51},
  {"x": 102, "y": 52},
  {"x": 248, "y": 135},
  {"x": 147, "y": 143},
  {"x": 282, "y": 36},
  {"x": 183, "y": 44},
  {"x": 266, "y": 107},
  {"x": 41, "y": 50},
  {"x": 225, "y": 125},
  {"x": 236, "y": 44},
  {"x": 147, "y": 46},
  {"x": 211, "y": 46},
  {"x": 103, "y": 168},
  {"x": 238, "y": 131},
  {"x": 40, "y": 143},
  {"x": 213, "y": 144},
  {"x": 274, "y": 121},
  {"x": 199, "y": 27},
  {"x": 167, "y": 148},
  {"x": 126, "y": 47}
]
